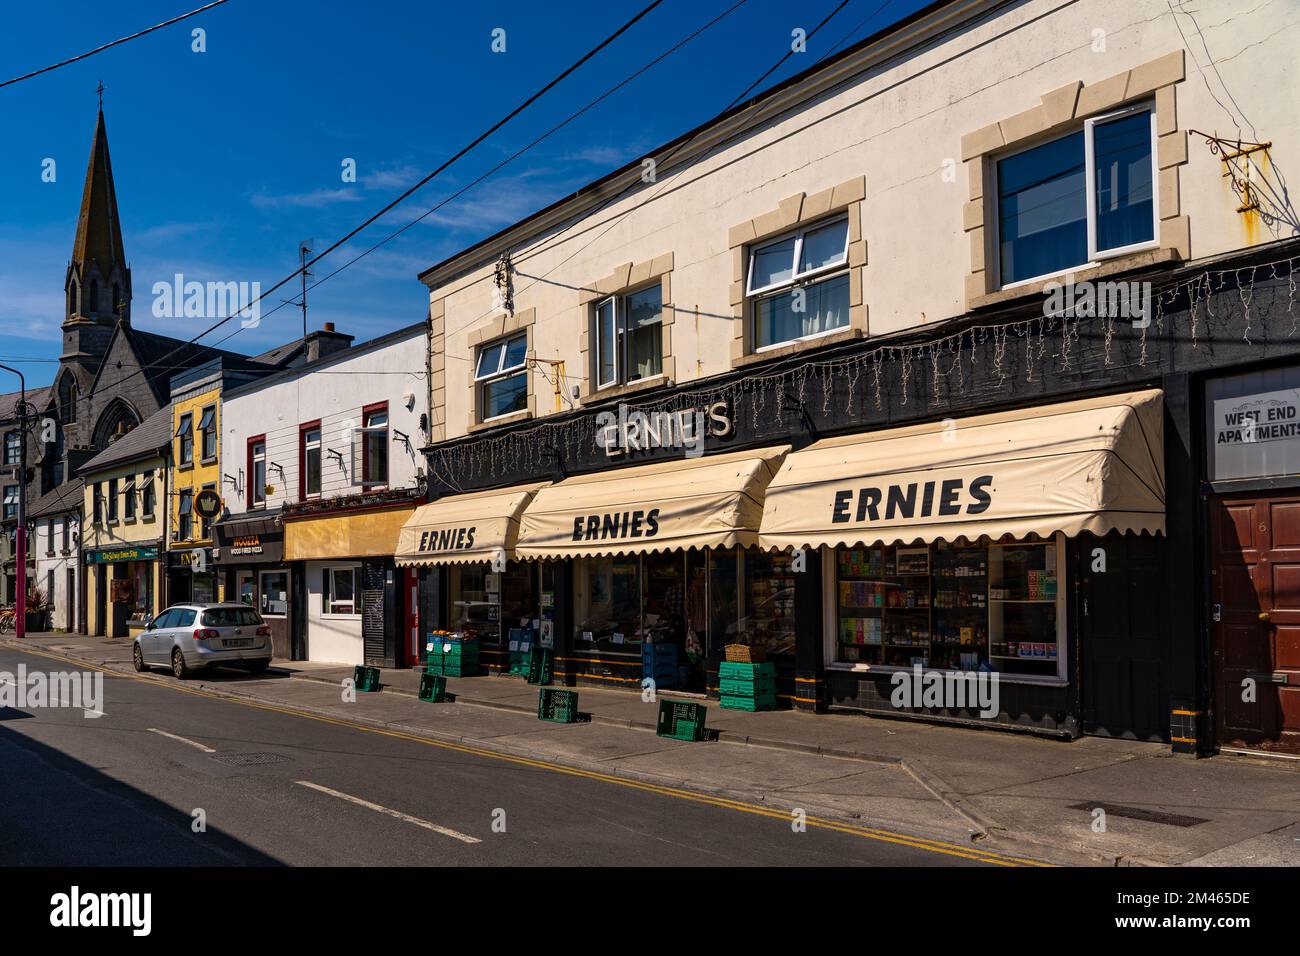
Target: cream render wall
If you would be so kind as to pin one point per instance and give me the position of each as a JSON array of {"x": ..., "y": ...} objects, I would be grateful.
[{"x": 900, "y": 128}]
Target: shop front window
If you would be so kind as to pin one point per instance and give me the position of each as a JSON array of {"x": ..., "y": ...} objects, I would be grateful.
[
  {"x": 244, "y": 588},
  {"x": 769, "y": 603},
  {"x": 960, "y": 607},
  {"x": 609, "y": 604},
  {"x": 274, "y": 593},
  {"x": 486, "y": 604}
]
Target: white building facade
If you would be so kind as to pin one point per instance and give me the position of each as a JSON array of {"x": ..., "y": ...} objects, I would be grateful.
[{"x": 322, "y": 467}]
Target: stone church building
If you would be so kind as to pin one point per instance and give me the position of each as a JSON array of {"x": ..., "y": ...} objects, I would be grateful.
[{"x": 111, "y": 377}]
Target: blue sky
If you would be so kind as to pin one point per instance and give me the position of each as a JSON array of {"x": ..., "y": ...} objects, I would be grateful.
[{"x": 225, "y": 159}]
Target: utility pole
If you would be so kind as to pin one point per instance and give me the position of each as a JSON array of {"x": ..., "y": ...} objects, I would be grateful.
[{"x": 20, "y": 616}]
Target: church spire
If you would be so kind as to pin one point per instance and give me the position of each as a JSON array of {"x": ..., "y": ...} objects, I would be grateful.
[{"x": 98, "y": 282}]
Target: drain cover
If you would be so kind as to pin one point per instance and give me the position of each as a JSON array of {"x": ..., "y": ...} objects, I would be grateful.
[
  {"x": 1146, "y": 816},
  {"x": 250, "y": 759}
]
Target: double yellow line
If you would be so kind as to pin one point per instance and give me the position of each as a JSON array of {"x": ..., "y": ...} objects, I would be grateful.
[{"x": 870, "y": 833}]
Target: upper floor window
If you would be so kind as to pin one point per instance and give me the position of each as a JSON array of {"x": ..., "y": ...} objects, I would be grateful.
[
  {"x": 257, "y": 473},
  {"x": 185, "y": 456},
  {"x": 309, "y": 464},
  {"x": 799, "y": 284},
  {"x": 112, "y": 500},
  {"x": 13, "y": 447},
  {"x": 66, "y": 531},
  {"x": 147, "y": 495},
  {"x": 98, "y": 504},
  {"x": 501, "y": 376},
  {"x": 11, "y": 502},
  {"x": 205, "y": 524},
  {"x": 629, "y": 337},
  {"x": 49, "y": 537},
  {"x": 372, "y": 445},
  {"x": 128, "y": 499},
  {"x": 1079, "y": 198},
  {"x": 185, "y": 515},
  {"x": 208, "y": 431}
]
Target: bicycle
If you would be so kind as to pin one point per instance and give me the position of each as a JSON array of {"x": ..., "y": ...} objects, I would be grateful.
[{"x": 8, "y": 619}]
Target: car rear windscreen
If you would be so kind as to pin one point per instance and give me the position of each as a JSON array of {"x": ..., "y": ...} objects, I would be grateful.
[{"x": 230, "y": 617}]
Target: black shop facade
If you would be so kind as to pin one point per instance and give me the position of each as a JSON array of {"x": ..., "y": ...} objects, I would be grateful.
[
  {"x": 248, "y": 558},
  {"x": 1017, "y": 502}
]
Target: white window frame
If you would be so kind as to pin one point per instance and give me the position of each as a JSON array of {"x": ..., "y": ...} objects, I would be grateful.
[
  {"x": 502, "y": 372},
  {"x": 257, "y": 496},
  {"x": 308, "y": 445},
  {"x": 10, "y": 496},
  {"x": 148, "y": 498},
  {"x": 797, "y": 277},
  {"x": 618, "y": 304},
  {"x": 128, "y": 500},
  {"x": 1095, "y": 256},
  {"x": 1090, "y": 174},
  {"x": 327, "y": 591}
]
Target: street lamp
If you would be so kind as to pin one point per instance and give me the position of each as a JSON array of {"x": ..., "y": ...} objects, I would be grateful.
[{"x": 20, "y": 616}]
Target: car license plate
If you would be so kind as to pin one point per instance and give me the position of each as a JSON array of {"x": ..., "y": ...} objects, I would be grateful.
[{"x": 238, "y": 642}]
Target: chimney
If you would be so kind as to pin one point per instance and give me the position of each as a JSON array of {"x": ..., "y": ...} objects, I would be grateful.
[{"x": 326, "y": 342}]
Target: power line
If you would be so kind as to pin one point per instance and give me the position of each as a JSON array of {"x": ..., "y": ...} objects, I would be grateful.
[
  {"x": 558, "y": 238},
  {"x": 422, "y": 182},
  {"x": 512, "y": 157},
  {"x": 106, "y": 46}
]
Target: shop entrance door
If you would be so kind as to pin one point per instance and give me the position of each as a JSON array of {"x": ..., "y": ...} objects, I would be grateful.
[{"x": 1255, "y": 596}]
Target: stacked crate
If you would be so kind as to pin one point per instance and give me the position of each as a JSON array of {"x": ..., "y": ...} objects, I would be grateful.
[
  {"x": 451, "y": 656},
  {"x": 659, "y": 662},
  {"x": 747, "y": 686}
]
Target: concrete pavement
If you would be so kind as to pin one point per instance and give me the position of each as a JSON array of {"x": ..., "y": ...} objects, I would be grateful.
[{"x": 1007, "y": 792}]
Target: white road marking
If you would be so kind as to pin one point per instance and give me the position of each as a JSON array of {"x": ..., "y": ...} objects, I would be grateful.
[
  {"x": 184, "y": 740},
  {"x": 392, "y": 813}
]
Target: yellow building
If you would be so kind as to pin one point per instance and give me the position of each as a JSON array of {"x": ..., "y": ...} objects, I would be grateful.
[
  {"x": 196, "y": 467},
  {"x": 124, "y": 534}
]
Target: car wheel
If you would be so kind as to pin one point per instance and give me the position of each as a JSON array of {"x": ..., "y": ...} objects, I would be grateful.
[
  {"x": 179, "y": 670},
  {"x": 257, "y": 667},
  {"x": 137, "y": 658}
]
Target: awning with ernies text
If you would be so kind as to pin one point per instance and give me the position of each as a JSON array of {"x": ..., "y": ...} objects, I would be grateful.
[
  {"x": 460, "y": 529},
  {"x": 1094, "y": 465},
  {"x": 710, "y": 502}
]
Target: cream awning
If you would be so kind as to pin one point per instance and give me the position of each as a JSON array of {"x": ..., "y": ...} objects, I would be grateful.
[
  {"x": 710, "y": 502},
  {"x": 1093, "y": 465},
  {"x": 460, "y": 529}
]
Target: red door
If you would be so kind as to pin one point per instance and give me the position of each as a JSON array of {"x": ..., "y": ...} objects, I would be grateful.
[
  {"x": 411, "y": 617},
  {"x": 1255, "y": 589}
]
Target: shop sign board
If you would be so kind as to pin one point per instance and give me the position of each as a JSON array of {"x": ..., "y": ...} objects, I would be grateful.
[
  {"x": 631, "y": 430},
  {"x": 146, "y": 553},
  {"x": 1257, "y": 435}
]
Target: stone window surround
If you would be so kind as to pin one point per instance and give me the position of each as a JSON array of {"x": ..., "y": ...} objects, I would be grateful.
[
  {"x": 485, "y": 332},
  {"x": 791, "y": 213},
  {"x": 1058, "y": 112},
  {"x": 628, "y": 277}
]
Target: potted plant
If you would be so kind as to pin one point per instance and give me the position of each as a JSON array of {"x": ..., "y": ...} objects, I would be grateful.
[{"x": 38, "y": 609}]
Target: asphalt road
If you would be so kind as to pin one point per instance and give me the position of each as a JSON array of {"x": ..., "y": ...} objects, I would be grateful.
[{"x": 280, "y": 789}]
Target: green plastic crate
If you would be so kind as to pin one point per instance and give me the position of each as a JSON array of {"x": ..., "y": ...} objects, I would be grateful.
[
  {"x": 540, "y": 666},
  {"x": 560, "y": 706},
  {"x": 365, "y": 678},
  {"x": 433, "y": 687},
  {"x": 734, "y": 670},
  {"x": 730, "y": 687},
  {"x": 766, "y": 702},
  {"x": 681, "y": 720},
  {"x": 451, "y": 667}
]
